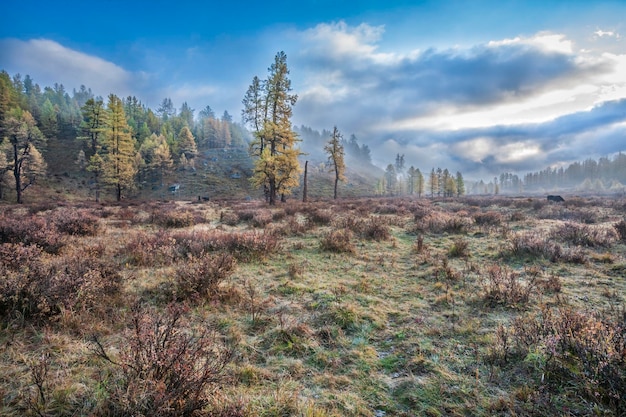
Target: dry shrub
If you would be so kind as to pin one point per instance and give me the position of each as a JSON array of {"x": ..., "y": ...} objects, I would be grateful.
[
  {"x": 375, "y": 229},
  {"x": 620, "y": 228},
  {"x": 146, "y": 249},
  {"x": 229, "y": 218},
  {"x": 172, "y": 217},
  {"x": 278, "y": 215},
  {"x": 488, "y": 220},
  {"x": 200, "y": 277},
  {"x": 459, "y": 249},
  {"x": 30, "y": 230},
  {"x": 321, "y": 217},
  {"x": 582, "y": 350},
  {"x": 534, "y": 244},
  {"x": 245, "y": 215},
  {"x": 40, "y": 286},
  {"x": 76, "y": 222},
  {"x": 583, "y": 235},
  {"x": 261, "y": 218},
  {"x": 440, "y": 222},
  {"x": 165, "y": 368},
  {"x": 505, "y": 287},
  {"x": 245, "y": 246},
  {"x": 338, "y": 240}
]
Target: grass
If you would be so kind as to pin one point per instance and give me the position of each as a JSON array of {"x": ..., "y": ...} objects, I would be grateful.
[{"x": 357, "y": 307}]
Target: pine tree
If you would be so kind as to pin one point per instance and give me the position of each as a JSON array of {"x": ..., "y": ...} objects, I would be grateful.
[
  {"x": 419, "y": 182},
  {"x": 433, "y": 183},
  {"x": 277, "y": 167},
  {"x": 187, "y": 143},
  {"x": 119, "y": 149},
  {"x": 391, "y": 179},
  {"x": 93, "y": 129},
  {"x": 460, "y": 184},
  {"x": 335, "y": 152}
]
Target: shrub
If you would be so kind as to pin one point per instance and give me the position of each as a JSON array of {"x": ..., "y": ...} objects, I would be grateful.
[
  {"x": 504, "y": 287},
  {"x": 229, "y": 218},
  {"x": 581, "y": 349},
  {"x": 459, "y": 249},
  {"x": 375, "y": 229},
  {"x": 165, "y": 368},
  {"x": 145, "y": 249},
  {"x": 76, "y": 222},
  {"x": 30, "y": 230},
  {"x": 38, "y": 286},
  {"x": 261, "y": 218},
  {"x": 583, "y": 235},
  {"x": 200, "y": 277},
  {"x": 172, "y": 217},
  {"x": 534, "y": 244},
  {"x": 620, "y": 228},
  {"x": 488, "y": 219},
  {"x": 321, "y": 217},
  {"x": 244, "y": 246},
  {"x": 338, "y": 240}
]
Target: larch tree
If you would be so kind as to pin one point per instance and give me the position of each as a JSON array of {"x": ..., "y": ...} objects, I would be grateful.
[
  {"x": 433, "y": 183},
  {"x": 187, "y": 143},
  {"x": 460, "y": 184},
  {"x": 391, "y": 179},
  {"x": 336, "y": 157},
  {"x": 419, "y": 182},
  {"x": 93, "y": 129},
  {"x": 23, "y": 158},
  {"x": 277, "y": 166},
  {"x": 119, "y": 149}
]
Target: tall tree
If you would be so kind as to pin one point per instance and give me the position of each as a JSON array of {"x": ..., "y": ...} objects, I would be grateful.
[
  {"x": 93, "y": 129},
  {"x": 254, "y": 113},
  {"x": 419, "y": 182},
  {"x": 433, "y": 183},
  {"x": 336, "y": 155},
  {"x": 119, "y": 167},
  {"x": 391, "y": 179},
  {"x": 23, "y": 158},
  {"x": 187, "y": 143},
  {"x": 277, "y": 167},
  {"x": 460, "y": 184}
]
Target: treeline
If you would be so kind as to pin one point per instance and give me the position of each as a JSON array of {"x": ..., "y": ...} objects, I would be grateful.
[
  {"x": 143, "y": 145},
  {"x": 439, "y": 183},
  {"x": 605, "y": 174}
]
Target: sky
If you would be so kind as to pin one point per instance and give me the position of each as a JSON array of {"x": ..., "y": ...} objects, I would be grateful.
[{"x": 481, "y": 87}]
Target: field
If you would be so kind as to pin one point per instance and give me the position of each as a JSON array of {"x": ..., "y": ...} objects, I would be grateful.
[{"x": 356, "y": 307}]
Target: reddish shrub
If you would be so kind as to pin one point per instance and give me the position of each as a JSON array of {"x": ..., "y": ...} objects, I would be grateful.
[
  {"x": 338, "y": 240},
  {"x": 200, "y": 277},
  {"x": 30, "y": 230},
  {"x": 76, "y": 222},
  {"x": 165, "y": 368},
  {"x": 145, "y": 249}
]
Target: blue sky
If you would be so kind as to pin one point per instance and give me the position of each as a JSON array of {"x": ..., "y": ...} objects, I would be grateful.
[{"x": 478, "y": 86}]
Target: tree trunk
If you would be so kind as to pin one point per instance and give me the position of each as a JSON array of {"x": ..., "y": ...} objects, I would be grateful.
[
  {"x": 17, "y": 168},
  {"x": 304, "y": 187}
]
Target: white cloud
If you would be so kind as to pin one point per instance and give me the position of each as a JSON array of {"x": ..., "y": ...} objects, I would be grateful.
[
  {"x": 545, "y": 41},
  {"x": 609, "y": 34},
  {"x": 49, "y": 62}
]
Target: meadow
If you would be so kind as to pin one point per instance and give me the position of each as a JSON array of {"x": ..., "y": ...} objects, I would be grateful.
[{"x": 476, "y": 306}]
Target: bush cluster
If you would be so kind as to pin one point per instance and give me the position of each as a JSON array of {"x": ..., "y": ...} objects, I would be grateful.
[
  {"x": 165, "y": 368},
  {"x": 583, "y": 235},
  {"x": 338, "y": 240},
  {"x": 39, "y": 285},
  {"x": 171, "y": 217},
  {"x": 505, "y": 287},
  {"x": 30, "y": 230},
  {"x": 200, "y": 277},
  {"x": 583, "y": 351},
  {"x": 76, "y": 222}
]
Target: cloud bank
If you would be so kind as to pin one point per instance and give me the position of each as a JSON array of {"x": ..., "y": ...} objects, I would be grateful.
[{"x": 506, "y": 105}]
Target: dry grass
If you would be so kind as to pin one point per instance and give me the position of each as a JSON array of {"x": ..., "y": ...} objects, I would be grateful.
[{"x": 357, "y": 307}]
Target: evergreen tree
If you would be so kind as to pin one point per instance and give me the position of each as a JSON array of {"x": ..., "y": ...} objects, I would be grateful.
[
  {"x": 433, "y": 183},
  {"x": 460, "y": 184},
  {"x": 119, "y": 148},
  {"x": 419, "y": 182},
  {"x": 187, "y": 143},
  {"x": 277, "y": 166},
  {"x": 93, "y": 129},
  {"x": 391, "y": 179},
  {"x": 335, "y": 152}
]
